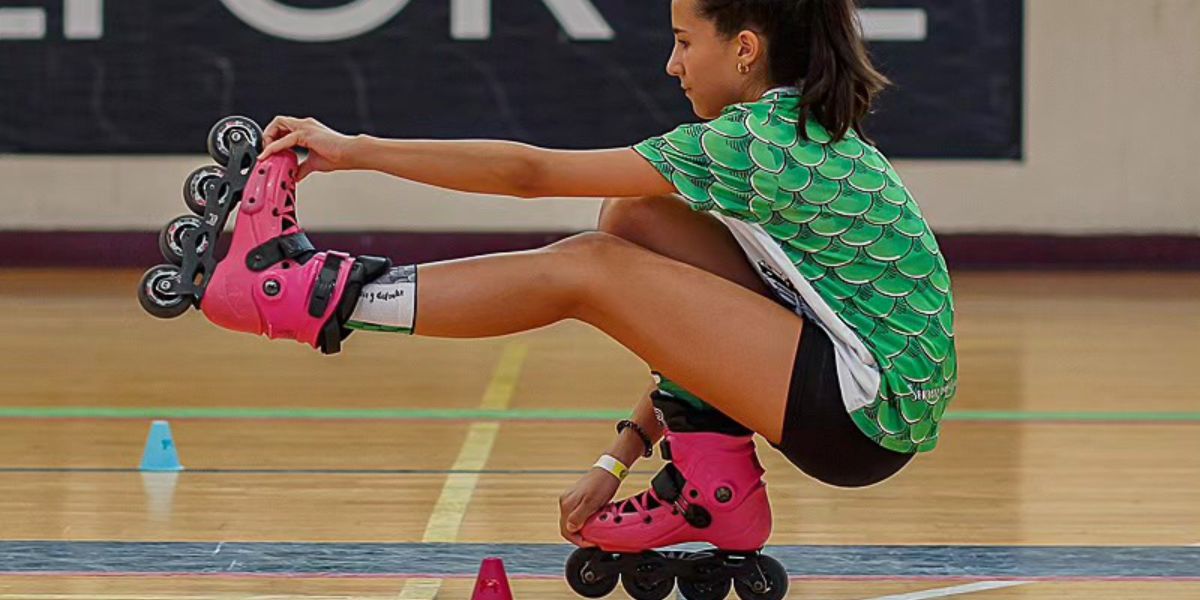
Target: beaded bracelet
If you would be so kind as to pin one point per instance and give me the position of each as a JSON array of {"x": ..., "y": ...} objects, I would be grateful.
[{"x": 627, "y": 424}]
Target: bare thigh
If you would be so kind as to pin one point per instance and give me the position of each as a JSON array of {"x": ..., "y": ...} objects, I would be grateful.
[{"x": 732, "y": 346}]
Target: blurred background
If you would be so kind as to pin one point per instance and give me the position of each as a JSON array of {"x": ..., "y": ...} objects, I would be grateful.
[
  {"x": 1033, "y": 134},
  {"x": 1047, "y": 141}
]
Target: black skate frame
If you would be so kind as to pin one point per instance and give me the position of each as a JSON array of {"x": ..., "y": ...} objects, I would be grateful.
[
  {"x": 655, "y": 566},
  {"x": 221, "y": 200}
]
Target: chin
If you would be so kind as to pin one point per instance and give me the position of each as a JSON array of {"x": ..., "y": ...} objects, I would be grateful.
[{"x": 705, "y": 112}]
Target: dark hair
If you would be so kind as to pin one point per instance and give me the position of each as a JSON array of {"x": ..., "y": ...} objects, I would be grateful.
[{"x": 831, "y": 65}]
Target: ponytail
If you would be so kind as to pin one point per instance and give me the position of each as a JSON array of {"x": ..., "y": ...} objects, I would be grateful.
[
  {"x": 839, "y": 82},
  {"x": 831, "y": 66}
]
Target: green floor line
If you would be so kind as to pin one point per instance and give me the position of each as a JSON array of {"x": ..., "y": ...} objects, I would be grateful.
[{"x": 454, "y": 414}]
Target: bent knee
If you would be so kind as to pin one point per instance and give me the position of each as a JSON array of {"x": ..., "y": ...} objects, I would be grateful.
[
  {"x": 635, "y": 218},
  {"x": 594, "y": 244},
  {"x": 586, "y": 260}
]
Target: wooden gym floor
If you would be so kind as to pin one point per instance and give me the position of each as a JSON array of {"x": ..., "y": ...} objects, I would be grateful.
[{"x": 1070, "y": 467}]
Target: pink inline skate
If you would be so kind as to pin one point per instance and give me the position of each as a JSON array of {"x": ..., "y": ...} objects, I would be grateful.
[
  {"x": 272, "y": 281},
  {"x": 712, "y": 491}
]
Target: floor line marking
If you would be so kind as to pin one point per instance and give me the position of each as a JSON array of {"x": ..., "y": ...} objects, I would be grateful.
[
  {"x": 537, "y": 415},
  {"x": 504, "y": 380},
  {"x": 958, "y": 590},
  {"x": 169, "y": 596},
  {"x": 556, "y": 576},
  {"x": 221, "y": 471},
  {"x": 420, "y": 589},
  {"x": 451, "y": 508}
]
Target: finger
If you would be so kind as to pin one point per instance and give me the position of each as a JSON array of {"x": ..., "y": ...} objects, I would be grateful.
[
  {"x": 566, "y": 505},
  {"x": 281, "y": 144},
  {"x": 573, "y": 537},
  {"x": 578, "y": 517},
  {"x": 305, "y": 169},
  {"x": 564, "y": 532},
  {"x": 278, "y": 127}
]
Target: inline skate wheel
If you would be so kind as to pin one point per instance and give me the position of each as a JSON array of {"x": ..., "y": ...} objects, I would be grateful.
[
  {"x": 229, "y": 132},
  {"x": 705, "y": 589},
  {"x": 154, "y": 297},
  {"x": 584, "y": 579},
  {"x": 173, "y": 243},
  {"x": 196, "y": 187},
  {"x": 771, "y": 584},
  {"x": 646, "y": 582}
]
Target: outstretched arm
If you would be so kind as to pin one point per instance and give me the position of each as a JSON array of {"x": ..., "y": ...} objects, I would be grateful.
[{"x": 486, "y": 167}]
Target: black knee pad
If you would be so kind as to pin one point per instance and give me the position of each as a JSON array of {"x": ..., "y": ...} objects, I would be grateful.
[{"x": 681, "y": 417}]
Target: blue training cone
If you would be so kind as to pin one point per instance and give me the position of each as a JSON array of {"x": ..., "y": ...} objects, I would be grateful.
[{"x": 160, "y": 453}]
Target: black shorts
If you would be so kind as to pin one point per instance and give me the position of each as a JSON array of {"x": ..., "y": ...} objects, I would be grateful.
[{"x": 818, "y": 435}]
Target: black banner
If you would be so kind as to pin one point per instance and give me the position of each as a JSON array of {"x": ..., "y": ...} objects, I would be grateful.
[{"x": 151, "y": 76}]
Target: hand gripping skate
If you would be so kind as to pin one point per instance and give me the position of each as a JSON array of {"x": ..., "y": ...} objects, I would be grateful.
[{"x": 271, "y": 281}]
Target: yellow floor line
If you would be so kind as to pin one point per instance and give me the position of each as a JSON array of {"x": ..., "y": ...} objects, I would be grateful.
[
  {"x": 420, "y": 589},
  {"x": 504, "y": 380},
  {"x": 451, "y": 508}
]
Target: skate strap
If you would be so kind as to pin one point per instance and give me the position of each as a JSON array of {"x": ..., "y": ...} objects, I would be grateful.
[
  {"x": 664, "y": 448},
  {"x": 668, "y": 486},
  {"x": 277, "y": 250},
  {"x": 326, "y": 285},
  {"x": 365, "y": 270},
  {"x": 668, "y": 483}
]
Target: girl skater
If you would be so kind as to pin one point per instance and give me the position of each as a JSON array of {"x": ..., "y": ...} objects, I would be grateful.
[{"x": 767, "y": 263}]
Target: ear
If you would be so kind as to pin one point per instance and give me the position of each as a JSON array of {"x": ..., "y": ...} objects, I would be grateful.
[{"x": 750, "y": 47}]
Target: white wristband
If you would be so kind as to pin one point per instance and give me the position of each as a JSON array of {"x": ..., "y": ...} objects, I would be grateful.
[{"x": 612, "y": 465}]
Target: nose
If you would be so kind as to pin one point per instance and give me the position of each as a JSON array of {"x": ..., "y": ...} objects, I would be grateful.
[{"x": 674, "y": 66}]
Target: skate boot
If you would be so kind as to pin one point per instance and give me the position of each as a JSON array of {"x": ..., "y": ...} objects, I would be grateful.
[
  {"x": 711, "y": 491},
  {"x": 271, "y": 281}
]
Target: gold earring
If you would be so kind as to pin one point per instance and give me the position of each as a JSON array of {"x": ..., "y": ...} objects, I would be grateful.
[{"x": 743, "y": 69}]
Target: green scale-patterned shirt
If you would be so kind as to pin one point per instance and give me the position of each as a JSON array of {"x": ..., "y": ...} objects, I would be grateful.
[{"x": 836, "y": 234}]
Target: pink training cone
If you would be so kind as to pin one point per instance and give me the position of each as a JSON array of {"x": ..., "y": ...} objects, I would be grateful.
[{"x": 492, "y": 583}]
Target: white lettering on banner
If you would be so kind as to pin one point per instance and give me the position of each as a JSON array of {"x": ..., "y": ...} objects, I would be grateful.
[
  {"x": 83, "y": 19},
  {"x": 580, "y": 19},
  {"x": 472, "y": 19},
  {"x": 894, "y": 24},
  {"x": 22, "y": 23},
  {"x": 469, "y": 20},
  {"x": 315, "y": 24}
]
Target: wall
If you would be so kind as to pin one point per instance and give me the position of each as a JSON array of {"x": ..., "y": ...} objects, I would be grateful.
[{"x": 1112, "y": 88}]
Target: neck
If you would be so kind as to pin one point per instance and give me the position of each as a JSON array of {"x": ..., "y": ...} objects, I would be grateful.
[{"x": 755, "y": 90}]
